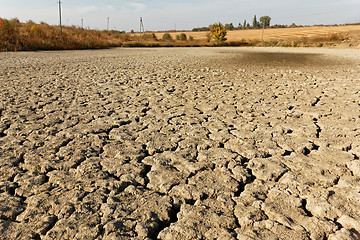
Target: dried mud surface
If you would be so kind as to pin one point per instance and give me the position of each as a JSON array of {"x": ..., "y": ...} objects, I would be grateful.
[{"x": 220, "y": 143}]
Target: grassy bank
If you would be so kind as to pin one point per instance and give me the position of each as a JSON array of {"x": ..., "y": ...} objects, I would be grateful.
[
  {"x": 17, "y": 36},
  {"x": 29, "y": 36}
]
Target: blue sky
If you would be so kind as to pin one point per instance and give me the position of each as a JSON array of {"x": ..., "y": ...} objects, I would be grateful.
[{"x": 187, "y": 14}]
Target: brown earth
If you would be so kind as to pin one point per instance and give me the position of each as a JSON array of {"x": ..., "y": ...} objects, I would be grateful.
[{"x": 186, "y": 143}]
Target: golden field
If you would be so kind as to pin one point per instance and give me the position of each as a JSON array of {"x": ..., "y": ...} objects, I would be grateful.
[{"x": 350, "y": 34}]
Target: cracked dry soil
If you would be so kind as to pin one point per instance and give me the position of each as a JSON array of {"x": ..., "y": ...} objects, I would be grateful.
[{"x": 188, "y": 143}]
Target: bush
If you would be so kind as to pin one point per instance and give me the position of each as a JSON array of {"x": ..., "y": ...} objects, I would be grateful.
[
  {"x": 7, "y": 30},
  {"x": 124, "y": 37},
  {"x": 149, "y": 36},
  {"x": 167, "y": 37},
  {"x": 229, "y": 26},
  {"x": 36, "y": 30},
  {"x": 183, "y": 37},
  {"x": 218, "y": 32},
  {"x": 191, "y": 38},
  {"x": 8, "y": 35}
]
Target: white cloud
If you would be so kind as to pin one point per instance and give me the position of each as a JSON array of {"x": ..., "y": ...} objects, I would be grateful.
[
  {"x": 138, "y": 7},
  {"x": 109, "y": 8},
  {"x": 84, "y": 9}
]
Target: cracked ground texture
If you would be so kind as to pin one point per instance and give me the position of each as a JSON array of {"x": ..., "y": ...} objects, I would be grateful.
[{"x": 187, "y": 143}]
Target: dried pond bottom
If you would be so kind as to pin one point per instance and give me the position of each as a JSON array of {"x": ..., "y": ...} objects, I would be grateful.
[{"x": 188, "y": 143}]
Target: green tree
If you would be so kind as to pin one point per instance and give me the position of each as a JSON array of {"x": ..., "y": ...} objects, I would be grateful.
[
  {"x": 229, "y": 26},
  {"x": 218, "y": 32},
  {"x": 265, "y": 21},
  {"x": 255, "y": 22}
]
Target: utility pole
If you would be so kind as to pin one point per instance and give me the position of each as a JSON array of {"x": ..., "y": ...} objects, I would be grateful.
[
  {"x": 108, "y": 21},
  {"x": 142, "y": 30},
  {"x": 60, "y": 17},
  {"x": 82, "y": 23},
  {"x": 262, "y": 37}
]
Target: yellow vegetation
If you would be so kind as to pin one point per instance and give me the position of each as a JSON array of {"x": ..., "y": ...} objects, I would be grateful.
[
  {"x": 16, "y": 36},
  {"x": 300, "y": 36},
  {"x": 218, "y": 32}
]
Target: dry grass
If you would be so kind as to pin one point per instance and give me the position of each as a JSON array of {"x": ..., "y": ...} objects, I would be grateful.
[
  {"x": 16, "y": 36},
  {"x": 300, "y": 36}
]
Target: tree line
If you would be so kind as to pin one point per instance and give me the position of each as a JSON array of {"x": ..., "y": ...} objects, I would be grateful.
[{"x": 264, "y": 21}]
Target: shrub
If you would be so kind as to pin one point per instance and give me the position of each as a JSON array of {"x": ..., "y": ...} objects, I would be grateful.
[
  {"x": 8, "y": 35},
  {"x": 229, "y": 26},
  {"x": 7, "y": 30},
  {"x": 167, "y": 37},
  {"x": 191, "y": 38},
  {"x": 183, "y": 37},
  {"x": 337, "y": 37},
  {"x": 36, "y": 30},
  {"x": 124, "y": 37},
  {"x": 149, "y": 36},
  {"x": 218, "y": 32}
]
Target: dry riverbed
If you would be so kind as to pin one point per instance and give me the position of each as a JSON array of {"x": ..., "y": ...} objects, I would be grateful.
[{"x": 192, "y": 143}]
